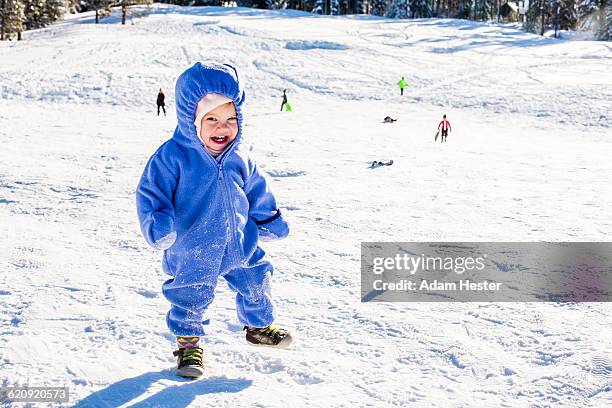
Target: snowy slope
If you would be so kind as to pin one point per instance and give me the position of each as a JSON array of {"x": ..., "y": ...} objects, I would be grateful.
[{"x": 528, "y": 160}]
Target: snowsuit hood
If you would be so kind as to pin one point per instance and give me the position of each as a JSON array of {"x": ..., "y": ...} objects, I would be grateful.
[{"x": 192, "y": 85}]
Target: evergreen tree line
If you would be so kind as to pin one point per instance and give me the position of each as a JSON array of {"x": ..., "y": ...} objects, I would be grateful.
[
  {"x": 17, "y": 16},
  {"x": 536, "y": 15}
]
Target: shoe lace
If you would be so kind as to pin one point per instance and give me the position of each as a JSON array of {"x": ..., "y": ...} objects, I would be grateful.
[
  {"x": 271, "y": 329},
  {"x": 194, "y": 353}
]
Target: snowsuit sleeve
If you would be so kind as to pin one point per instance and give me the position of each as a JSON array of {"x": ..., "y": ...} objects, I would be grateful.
[
  {"x": 154, "y": 204},
  {"x": 263, "y": 209}
]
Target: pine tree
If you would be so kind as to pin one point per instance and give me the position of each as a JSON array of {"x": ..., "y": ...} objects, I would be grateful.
[
  {"x": 378, "y": 7},
  {"x": 292, "y": 4},
  {"x": 594, "y": 15},
  {"x": 11, "y": 19},
  {"x": 41, "y": 13},
  {"x": 359, "y": 6},
  {"x": 351, "y": 6},
  {"x": 334, "y": 7},
  {"x": 400, "y": 9},
  {"x": 568, "y": 16},
  {"x": 604, "y": 33},
  {"x": 463, "y": 9},
  {"x": 308, "y": 5},
  {"x": 53, "y": 11},
  {"x": 325, "y": 7},
  {"x": 421, "y": 9},
  {"x": 275, "y": 4},
  {"x": 531, "y": 17},
  {"x": 34, "y": 12},
  {"x": 483, "y": 9}
]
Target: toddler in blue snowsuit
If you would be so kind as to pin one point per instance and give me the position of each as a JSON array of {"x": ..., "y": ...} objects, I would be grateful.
[{"x": 205, "y": 202}]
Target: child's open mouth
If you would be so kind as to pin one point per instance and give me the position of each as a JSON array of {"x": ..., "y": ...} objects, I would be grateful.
[{"x": 219, "y": 139}]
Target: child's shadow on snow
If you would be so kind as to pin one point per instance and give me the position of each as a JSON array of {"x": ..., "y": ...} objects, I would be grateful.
[{"x": 180, "y": 395}]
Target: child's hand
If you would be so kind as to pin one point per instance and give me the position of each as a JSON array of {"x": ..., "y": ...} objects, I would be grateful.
[
  {"x": 162, "y": 233},
  {"x": 274, "y": 230},
  {"x": 165, "y": 242}
]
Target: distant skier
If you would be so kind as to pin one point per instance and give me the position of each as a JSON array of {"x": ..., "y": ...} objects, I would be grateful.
[
  {"x": 285, "y": 103},
  {"x": 402, "y": 84},
  {"x": 444, "y": 126},
  {"x": 377, "y": 163},
  {"x": 389, "y": 119},
  {"x": 160, "y": 102}
]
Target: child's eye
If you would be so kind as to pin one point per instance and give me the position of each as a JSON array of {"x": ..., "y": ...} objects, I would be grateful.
[
  {"x": 211, "y": 119},
  {"x": 233, "y": 120}
]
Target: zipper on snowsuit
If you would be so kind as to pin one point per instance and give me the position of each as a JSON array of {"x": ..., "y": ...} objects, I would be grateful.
[
  {"x": 233, "y": 228},
  {"x": 228, "y": 207}
]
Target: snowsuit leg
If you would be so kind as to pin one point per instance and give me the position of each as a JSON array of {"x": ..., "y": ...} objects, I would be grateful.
[
  {"x": 251, "y": 283},
  {"x": 402, "y": 91},
  {"x": 188, "y": 306},
  {"x": 190, "y": 292},
  {"x": 190, "y": 296}
]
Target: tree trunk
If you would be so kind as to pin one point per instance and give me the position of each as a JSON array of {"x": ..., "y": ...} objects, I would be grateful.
[
  {"x": 541, "y": 17},
  {"x": 3, "y": 4},
  {"x": 557, "y": 6},
  {"x": 18, "y": 35},
  {"x": 497, "y": 5},
  {"x": 123, "y": 12},
  {"x": 97, "y": 17}
]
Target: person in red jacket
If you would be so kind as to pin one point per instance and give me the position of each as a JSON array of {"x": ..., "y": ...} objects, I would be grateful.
[{"x": 444, "y": 126}]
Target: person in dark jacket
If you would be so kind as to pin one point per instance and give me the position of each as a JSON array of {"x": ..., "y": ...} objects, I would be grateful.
[{"x": 160, "y": 102}]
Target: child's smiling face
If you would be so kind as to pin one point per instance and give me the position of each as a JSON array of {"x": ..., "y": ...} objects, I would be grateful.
[{"x": 219, "y": 128}]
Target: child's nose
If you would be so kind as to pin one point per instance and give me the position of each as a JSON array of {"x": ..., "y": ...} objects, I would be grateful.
[{"x": 223, "y": 127}]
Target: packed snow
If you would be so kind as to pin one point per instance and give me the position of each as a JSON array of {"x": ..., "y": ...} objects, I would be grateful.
[{"x": 528, "y": 159}]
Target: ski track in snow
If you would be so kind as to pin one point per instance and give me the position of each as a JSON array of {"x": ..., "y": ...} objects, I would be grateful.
[{"x": 528, "y": 160}]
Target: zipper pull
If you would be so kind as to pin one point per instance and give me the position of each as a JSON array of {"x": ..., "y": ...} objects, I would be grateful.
[{"x": 220, "y": 172}]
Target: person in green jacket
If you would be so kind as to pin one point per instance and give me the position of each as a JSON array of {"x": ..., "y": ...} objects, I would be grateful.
[
  {"x": 285, "y": 104},
  {"x": 402, "y": 84}
]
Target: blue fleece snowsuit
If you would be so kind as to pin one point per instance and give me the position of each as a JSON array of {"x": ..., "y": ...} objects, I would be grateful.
[{"x": 208, "y": 213}]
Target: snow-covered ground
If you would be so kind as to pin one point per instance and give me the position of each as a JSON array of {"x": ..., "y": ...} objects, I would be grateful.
[{"x": 528, "y": 160}]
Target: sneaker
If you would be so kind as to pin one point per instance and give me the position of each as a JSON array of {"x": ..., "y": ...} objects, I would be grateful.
[
  {"x": 271, "y": 336},
  {"x": 190, "y": 362}
]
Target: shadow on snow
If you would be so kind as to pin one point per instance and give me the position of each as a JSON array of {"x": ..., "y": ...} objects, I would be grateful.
[{"x": 179, "y": 395}]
